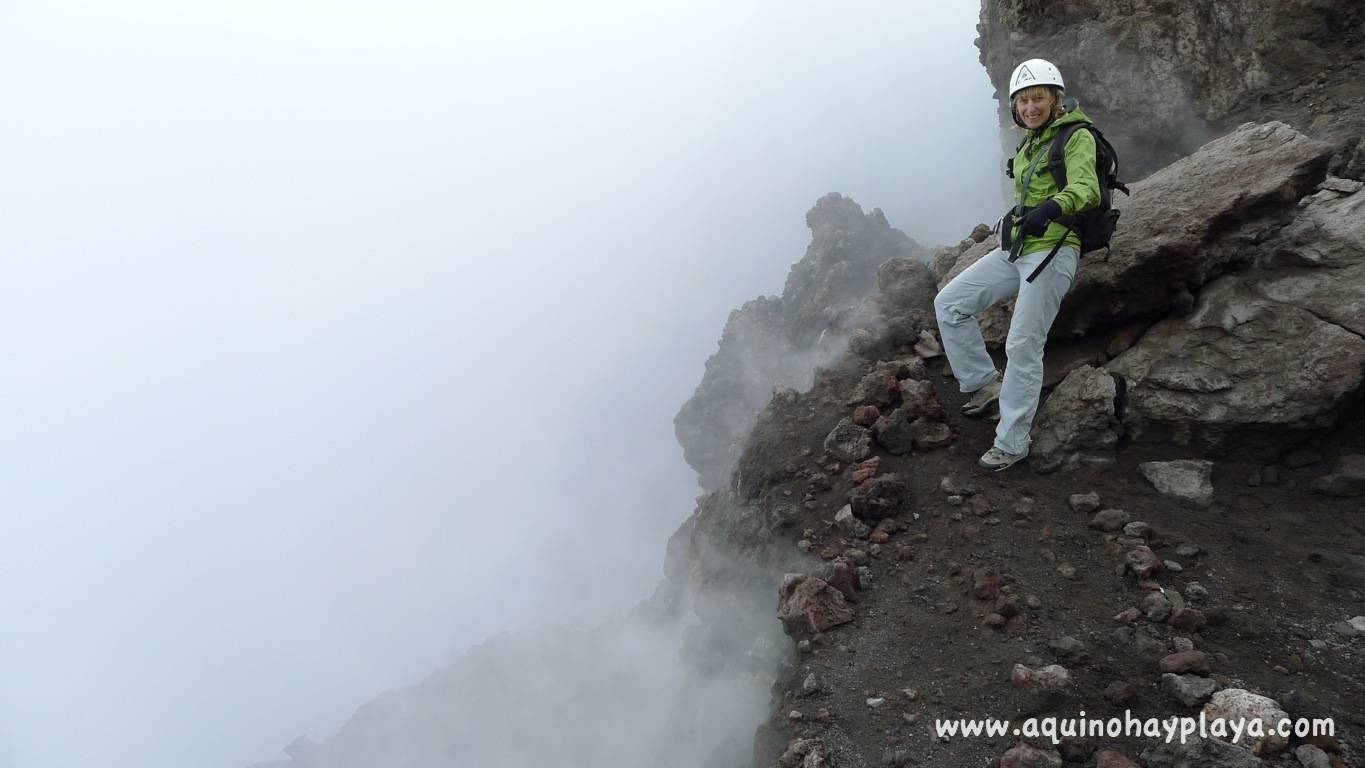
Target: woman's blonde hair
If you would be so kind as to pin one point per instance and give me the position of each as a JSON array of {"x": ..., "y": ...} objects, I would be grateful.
[{"x": 1034, "y": 90}]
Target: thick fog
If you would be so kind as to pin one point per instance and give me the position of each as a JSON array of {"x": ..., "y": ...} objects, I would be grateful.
[{"x": 336, "y": 337}]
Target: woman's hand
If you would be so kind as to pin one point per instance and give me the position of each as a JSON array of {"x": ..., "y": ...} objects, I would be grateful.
[{"x": 1035, "y": 223}]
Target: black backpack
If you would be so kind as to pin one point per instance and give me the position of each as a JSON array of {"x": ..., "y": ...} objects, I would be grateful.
[{"x": 1094, "y": 225}]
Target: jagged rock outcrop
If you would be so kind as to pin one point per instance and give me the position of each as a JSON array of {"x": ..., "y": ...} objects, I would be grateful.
[
  {"x": 780, "y": 340},
  {"x": 1162, "y": 78}
]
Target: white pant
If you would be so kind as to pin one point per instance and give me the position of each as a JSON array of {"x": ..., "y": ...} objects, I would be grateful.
[{"x": 989, "y": 281}]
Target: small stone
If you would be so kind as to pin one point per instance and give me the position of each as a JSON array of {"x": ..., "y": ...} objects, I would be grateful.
[
  {"x": 1109, "y": 520},
  {"x": 866, "y": 415},
  {"x": 1359, "y": 623},
  {"x": 1067, "y": 647},
  {"x": 1345, "y": 629},
  {"x": 985, "y": 584},
  {"x": 1172, "y": 566},
  {"x": 1067, "y": 571},
  {"x": 1033, "y": 602},
  {"x": 848, "y": 441},
  {"x": 1053, "y": 677},
  {"x": 1183, "y": 662},
  {"x": 1190, "y": 690},
  {"x": 1025, "y": 755},
  {"x": 1310, "y": 756},
  {"x": 1156, "y": 607},
  {"x": 1188, "y": 619},
  {"x": 1084, "y": 503},
  {"x": 1196, "y": 593},
  {"x": 1119, "y": 692},
  {"x": 867, "y": 469},
  {"x": 994, "y": 621},
  {"x": 1188, "y": 550},
  {"x": 1138, "y": 530},
  {"x": 1128, "y": 616},
  {"x": 795, "y": 714},
  {"x": 954, "y": 487},
  {"x": 1108, "y": 758},
  {"x": 896, "y": 757},
  {"x": 1007, "y": 606},
  {"x": 1182, "y": 643},
  {"x": 846, "y": 522},
  {"x": 1142, "y": 562},
  {"x": 876, "y": 702},
  {"x": 810, "y": 685}
]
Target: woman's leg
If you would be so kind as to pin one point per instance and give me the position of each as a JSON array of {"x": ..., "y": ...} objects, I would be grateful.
[
  {"x": 991, "y": 280},
  {"x": 1034, "y": 311}
]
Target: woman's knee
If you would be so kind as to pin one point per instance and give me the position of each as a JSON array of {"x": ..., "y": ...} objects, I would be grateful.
[{"x": 948, "y": 307}]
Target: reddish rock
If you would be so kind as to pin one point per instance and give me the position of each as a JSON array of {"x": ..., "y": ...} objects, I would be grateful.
[
  {"x": 1183, "y": 662},
  {"x": 1189, "y": 619},
  {"x": 985, "y": 584},
  {"x": 918, "y": 399},
  {"x": 1108, "y": 758},
  {"x": 809, "y": 606},
  {"x": 879, "y": 497},
  {"x": 866, "y": 415},
  {"x": 867, "y": 470}
]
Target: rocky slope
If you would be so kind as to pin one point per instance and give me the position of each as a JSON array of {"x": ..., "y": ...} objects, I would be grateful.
[{"x": 1203, "y": 544}]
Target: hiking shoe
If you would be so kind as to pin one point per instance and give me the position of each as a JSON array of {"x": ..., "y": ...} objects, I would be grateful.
[
  {"x": 982, "y": 399},
  {"x": 997, "y": 460}
]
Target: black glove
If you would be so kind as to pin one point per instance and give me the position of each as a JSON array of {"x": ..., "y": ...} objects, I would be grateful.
[{"x": 1035, "y": 223}]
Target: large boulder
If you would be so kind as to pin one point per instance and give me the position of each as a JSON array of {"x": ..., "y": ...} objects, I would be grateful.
[
  {"x": 1077, "y": 423},
  {"x": 1191, "y": 221},
  {"x": 1242, "y": 373}
]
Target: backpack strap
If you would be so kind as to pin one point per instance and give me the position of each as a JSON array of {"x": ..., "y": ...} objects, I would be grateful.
[{"x": 1056, "y": 154}]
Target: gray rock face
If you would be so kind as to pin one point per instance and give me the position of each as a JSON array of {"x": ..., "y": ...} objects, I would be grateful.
[
  {"x": 1188, "y": 479},
  {"x": 1213, "y": 67},
  {"x": 1077, "y": 422},
  {"x": 1240, "y": 371},
  {"x": 780, "y": 340},
  {"x": 1192, "y": 220}
]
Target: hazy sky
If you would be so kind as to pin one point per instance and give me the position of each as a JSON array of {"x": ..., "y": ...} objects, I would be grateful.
[{"x": 338, "y": 336}]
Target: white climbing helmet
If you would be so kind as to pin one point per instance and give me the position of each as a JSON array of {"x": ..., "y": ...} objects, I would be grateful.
[{"x": 1035, "y": 72}]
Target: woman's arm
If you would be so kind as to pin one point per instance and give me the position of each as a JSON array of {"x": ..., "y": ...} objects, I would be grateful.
[{"x": 1082, "y": 185}]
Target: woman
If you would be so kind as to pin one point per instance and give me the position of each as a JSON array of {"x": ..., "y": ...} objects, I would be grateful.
[{"x": 1032, "y": 228}]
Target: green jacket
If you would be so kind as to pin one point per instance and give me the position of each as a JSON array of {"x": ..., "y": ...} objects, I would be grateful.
[{"x": 1082, "y": 185}]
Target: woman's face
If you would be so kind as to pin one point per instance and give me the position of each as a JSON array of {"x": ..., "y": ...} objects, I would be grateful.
[{"x": 1034, "y": 109}]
